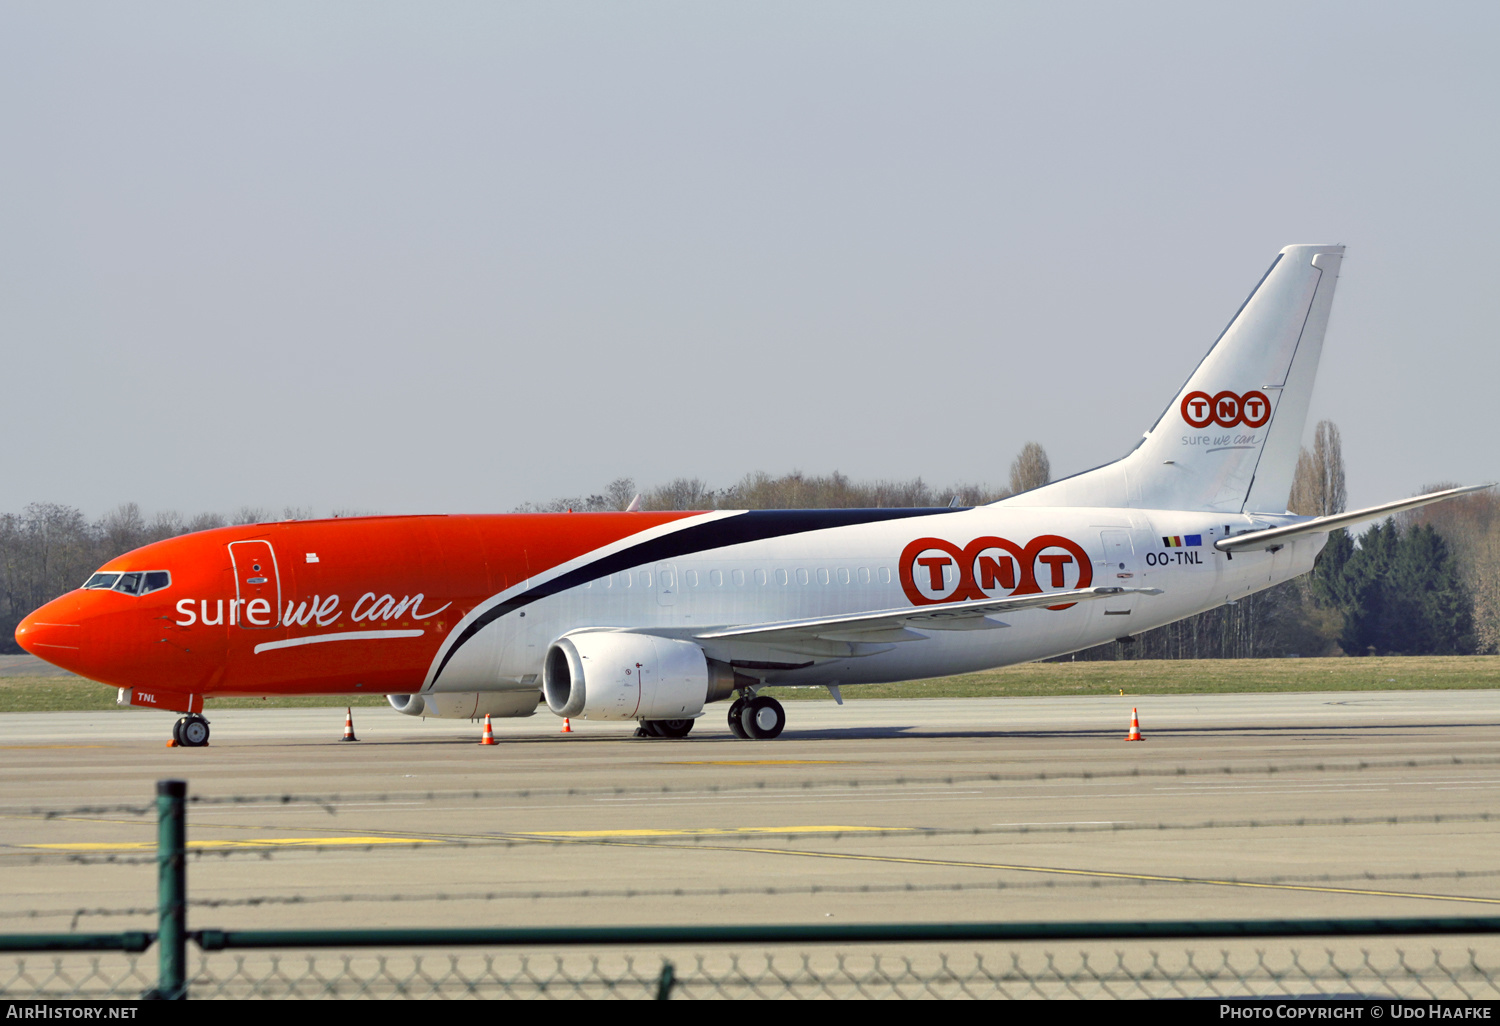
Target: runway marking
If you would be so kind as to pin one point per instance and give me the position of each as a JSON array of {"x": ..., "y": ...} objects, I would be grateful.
[
  {"x": 9, "y": 748},
  {"x": 263, "y": 842},
  {"x": 1147, "y": 877},
  {"x": 797, "y": 799},
  {"x": 763, "y": 762},
  {"x": 710, "y": 831},
  {"x": 1068, "y": 822}
]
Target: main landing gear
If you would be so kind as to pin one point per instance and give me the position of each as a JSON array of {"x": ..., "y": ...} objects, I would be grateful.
[
  {"x": 760, "y": 718},
  {"x": 757, "y": 717},
  {"x": 664, "y": 728},
  {"x": 191, "y": 731}
]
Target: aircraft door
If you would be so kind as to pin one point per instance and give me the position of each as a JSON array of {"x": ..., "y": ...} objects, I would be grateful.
[
  {"x": 667, "y": 584},
  {"x": 1119, "y": 569},
  {"x": 257, "y": 585}
]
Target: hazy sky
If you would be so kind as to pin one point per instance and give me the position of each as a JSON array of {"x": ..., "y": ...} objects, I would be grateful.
[{"x": 453, "y": 257}]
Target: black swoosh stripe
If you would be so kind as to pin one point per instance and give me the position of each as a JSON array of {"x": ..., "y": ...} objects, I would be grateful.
[{"x": 756, "y": 525}]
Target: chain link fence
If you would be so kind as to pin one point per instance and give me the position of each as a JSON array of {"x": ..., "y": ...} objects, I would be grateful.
[
  {"x": 1452, "y": 958},
  {"x": 1407, "y": 971}
]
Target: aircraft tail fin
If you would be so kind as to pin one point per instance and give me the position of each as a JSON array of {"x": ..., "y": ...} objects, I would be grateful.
[{"x": 1230, "y": 438}]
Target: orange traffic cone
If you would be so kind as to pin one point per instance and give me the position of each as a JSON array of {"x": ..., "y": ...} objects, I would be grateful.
[
  {"x": 489, "y": 735},
  {"x": 567, "y": 726},
  {"x": 348, "y": 725},
  {"x": 1135, "y": 728}
]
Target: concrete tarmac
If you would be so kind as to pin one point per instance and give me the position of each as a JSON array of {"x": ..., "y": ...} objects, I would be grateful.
[{"x": 1269, "y": 805}]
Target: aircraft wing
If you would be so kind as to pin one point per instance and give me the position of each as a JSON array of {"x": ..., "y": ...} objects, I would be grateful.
[
  {"x": 897, "y": 624},
  {"x": 1275, "y": 537}
]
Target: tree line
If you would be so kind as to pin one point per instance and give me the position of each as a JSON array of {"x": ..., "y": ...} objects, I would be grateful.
[
  {"x": 1424, "y": 583},
  {"x": 1427, "y": 582}
]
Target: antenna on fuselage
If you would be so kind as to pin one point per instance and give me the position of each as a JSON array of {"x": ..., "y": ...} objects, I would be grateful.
[{"x": 635, "y": 504}]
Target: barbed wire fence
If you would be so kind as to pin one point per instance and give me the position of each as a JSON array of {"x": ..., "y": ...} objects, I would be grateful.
[{"x": 1429, "y": 958}]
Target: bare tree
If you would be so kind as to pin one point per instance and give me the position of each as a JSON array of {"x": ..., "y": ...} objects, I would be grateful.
[
  {"x": 1318, "y": 488},
  {"x": 683, "y": 493},
  {"x": 619, "y": 492},
  {"x": 1470, "y": 525},
  {"x": 1031, "y": 468}
]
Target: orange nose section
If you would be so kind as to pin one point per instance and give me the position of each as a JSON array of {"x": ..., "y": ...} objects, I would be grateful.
[{"x": 54, "y": 633}]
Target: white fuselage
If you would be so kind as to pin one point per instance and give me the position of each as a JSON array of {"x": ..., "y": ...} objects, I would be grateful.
[{"x": 856, "y": 569}]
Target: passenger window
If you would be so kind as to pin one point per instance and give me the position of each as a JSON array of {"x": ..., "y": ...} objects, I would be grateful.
[
  {"x": 739, "y": 578},
  {"x": 625, "y": 579},
  {"x": 102, "y": 581},
  {"x": 156, "y": 580},
  {"x": 864, "y": 575},
  {"x": 645, "y": 576},
  {"x": 801, "y": 575},
  {"x": 716, "y": 578},
  {"x": 885, "y": 575},
  {"x": 692, "y": 578},
  {"x": 843, "y": 575},
  {"x": 781, "y": 577},
  {"x": 822, "y": 575},
  {"x": 130, "y": 584},
  {"x": 760, "y": 577}
]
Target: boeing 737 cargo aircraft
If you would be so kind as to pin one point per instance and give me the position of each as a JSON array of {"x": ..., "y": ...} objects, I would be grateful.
[{"x": 653, "y": 616}]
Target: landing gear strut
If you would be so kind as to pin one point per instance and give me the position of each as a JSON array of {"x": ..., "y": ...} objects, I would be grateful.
[{"x": 191, "y": 731}]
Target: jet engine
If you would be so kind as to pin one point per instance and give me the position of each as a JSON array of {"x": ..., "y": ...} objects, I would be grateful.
[
  {"x": 467, "y": 705},
  {"x": 614, "y": 675}
]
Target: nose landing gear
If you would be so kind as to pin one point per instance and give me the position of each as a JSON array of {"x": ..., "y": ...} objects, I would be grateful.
[{"x": 191, "y": 731}]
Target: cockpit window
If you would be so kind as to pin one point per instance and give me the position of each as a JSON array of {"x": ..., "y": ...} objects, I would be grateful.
[{"x": 138, "y": 583}]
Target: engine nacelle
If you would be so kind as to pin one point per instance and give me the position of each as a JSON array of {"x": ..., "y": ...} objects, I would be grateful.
[
  {"x": 467, "y": 705},
  {"x": 613, "y": 675}
]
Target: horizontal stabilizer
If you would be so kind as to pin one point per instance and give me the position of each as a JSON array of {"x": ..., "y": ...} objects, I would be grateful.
[
  {"x": 1275, "y": 537},
  {"x": 886, "y": 625}
]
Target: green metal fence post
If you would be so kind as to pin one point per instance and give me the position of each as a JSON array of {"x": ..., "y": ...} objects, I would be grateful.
[
  {"x": 665, "y": 981},
  {"x": 171, "y": 889}
]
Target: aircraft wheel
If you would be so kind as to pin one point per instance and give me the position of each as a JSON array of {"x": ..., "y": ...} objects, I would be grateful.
[
  {"x": 671, "y": 728},
  {"x": 763, "y": 718},
  {"x": 177, "y": 729},
  {"x": 736, "y": 726},
  {"x": 194, "y": 732}
]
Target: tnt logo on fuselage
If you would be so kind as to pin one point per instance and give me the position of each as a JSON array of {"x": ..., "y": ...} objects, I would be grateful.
[
  {"x": 934, "y": 570},
  {"x": 1226, "y": 409}
]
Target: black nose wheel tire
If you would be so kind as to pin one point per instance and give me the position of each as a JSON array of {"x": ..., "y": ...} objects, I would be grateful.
[
  {"x": 192, "y": 731},
  {"x": 177, "y": 730},
  {"x": 737, "y": 728},
  {"x": 763, "y": 718}
]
